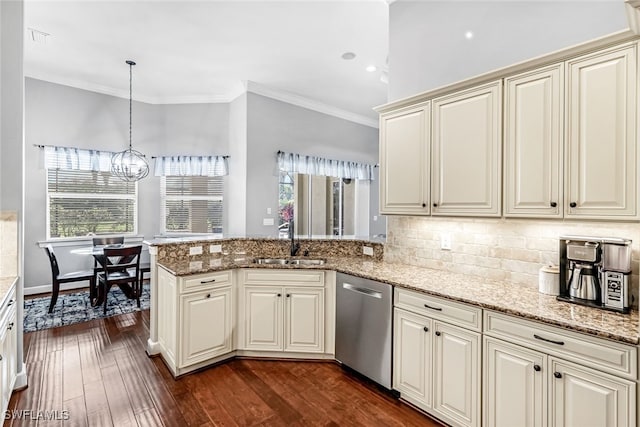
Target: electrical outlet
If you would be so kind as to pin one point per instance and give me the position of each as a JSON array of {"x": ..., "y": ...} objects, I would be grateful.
[
  {"x": 195, "y": 250},
  {"x": 215, "y": 249},
  {"x": 267, "y": 221},
  {"x": 445, "y": 241},
  {"x": 367, "y": 250}
]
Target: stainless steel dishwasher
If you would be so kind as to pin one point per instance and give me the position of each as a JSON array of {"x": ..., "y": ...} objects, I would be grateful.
[{"x": 363, "y": 326}]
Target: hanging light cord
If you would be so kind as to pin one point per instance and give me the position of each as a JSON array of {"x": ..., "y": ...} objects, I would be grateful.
[{"x": 131, "y": 64}]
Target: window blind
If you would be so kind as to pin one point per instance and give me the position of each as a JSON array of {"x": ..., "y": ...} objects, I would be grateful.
[
  {"x": 83, "y": 202},
  {"x": 192, "y": 204}
]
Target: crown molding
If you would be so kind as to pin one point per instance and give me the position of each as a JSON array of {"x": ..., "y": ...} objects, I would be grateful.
[
  {"x": 633, "y": 15},
  {"x": 310, "y": 104},
  {"x": 119, "y": 93},
  {"x": 242, "y": 87}
]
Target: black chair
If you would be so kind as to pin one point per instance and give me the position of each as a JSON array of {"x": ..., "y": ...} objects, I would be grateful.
[
  {"x": 104, "y": 241},
  {"x": 145, "y": 267},
  {"x": 75, "y": 276},
  {"x": 121, "y": 267}
]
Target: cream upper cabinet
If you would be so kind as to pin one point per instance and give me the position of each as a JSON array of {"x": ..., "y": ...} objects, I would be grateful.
[
  {"x": 466, "y": 152},
  {"x": 601, "y": 143},
  {"x": 533, "y": 142},
  {"x": 404, "y": 161}
]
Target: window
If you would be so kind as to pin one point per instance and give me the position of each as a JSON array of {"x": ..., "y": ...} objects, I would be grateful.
[
  {"x": 323, "y": 205},
  {"x": 84, "y": 202},
  {"x": 192, "y": 204}
]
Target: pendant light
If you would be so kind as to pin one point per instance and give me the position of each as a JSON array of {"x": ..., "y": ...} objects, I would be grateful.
[{"x": 129, "y": 165}]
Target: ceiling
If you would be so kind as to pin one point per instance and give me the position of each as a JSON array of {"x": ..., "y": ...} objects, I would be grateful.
[{"x": 206, "y": 51}]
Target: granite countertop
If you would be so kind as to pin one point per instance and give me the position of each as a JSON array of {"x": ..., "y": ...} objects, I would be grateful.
[
  {"x": 518, "y": 300},
  {"x": 6, "y": 283}
]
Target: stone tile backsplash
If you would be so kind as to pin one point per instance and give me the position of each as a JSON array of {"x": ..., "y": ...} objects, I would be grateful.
[{"x": 500, "y": 249}]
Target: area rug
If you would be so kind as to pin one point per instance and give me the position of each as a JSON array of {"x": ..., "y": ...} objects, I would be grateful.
[{"x": 75, "y": 308}]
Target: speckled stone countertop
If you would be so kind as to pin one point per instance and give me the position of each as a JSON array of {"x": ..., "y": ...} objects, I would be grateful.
[
  {"x": 518, "y": 300},
  {"x": 6, "y": 283}
]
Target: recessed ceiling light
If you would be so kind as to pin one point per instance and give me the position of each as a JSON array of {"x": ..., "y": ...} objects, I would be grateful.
[
  {"x": 348, "y": 56},
  {"x": 371, "y": 68},
  {"x": 468, "y": 35}
]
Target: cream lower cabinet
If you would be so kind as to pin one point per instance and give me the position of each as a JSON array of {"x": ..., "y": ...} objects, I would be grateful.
[
  {"x": 8, "y": 347},
  {"x": 436, "y": 364},
  {"x": 528, "y": 380},
  {"x": 195, "y": 318},
  {"x": 287, "y": 318}
]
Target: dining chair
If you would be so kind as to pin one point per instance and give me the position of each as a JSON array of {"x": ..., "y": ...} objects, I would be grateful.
[
  {"x": 121, "y": 267},
  {"x": 104, "y": 241},
  {"x": 74, "y": 276}
]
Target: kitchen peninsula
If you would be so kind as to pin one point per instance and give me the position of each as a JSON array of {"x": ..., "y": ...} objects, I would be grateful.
[{"x": 597, "y": 347}]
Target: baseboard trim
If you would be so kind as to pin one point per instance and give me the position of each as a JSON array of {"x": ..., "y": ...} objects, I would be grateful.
[
  {"x": 46, "y": 289},
  {"x": 153, "y": 347},
  {"x": 21, "y": 381}
]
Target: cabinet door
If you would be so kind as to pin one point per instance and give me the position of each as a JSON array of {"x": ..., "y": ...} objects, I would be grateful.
[
  {"x": 412, "y": 357},
  {"x": 404, "y": 162},
  {"x": 515, "y": 384},
  {"x": 205, "y": 325},
  {"x": 304, "y": 320},
  {"x": 466, "y": 144},
  {"x": 601, "y": 135},
  {"x": 167, "y": 322},
  {"x": 533, "y": 138},
  {"x": 263, "y": 318},
  {"x": 583, "y": 397},
  {"x": 456, "y": 372}
]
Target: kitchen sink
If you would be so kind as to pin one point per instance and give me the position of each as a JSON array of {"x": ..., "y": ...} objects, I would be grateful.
[
  {"x": 308, "y": 261},
  {"x": 283, "y": 261},
  {"x": 280, "y": 261}
]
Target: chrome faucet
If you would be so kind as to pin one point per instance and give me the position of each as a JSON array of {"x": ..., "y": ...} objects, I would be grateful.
[{"x": 295, "y": 246}]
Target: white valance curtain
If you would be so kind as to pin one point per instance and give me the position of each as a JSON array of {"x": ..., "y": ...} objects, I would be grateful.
[
  {"x": 191, "y": 166},
  {"x": 310, "y": 165},
  {"x": 77, "y": 159}
]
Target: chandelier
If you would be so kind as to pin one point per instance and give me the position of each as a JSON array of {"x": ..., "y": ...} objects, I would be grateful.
[{"x": 129, "y": 165}]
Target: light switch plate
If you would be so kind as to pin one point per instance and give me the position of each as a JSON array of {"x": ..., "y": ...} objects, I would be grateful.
[
  {"x": 213, "y": 249},
  {"x": 267, "y": 221},
  {"x": 367, "y": 250},
  {"x": 195, "y": 250}
]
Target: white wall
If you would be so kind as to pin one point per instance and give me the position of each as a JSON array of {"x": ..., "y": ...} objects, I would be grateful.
[
  {"x": 274, "y": 125},
  {"x": 427, "y": 47},
  {"x": 12, "y": 145}
]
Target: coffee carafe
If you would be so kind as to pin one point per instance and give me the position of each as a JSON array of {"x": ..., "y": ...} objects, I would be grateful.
[{"x": 584, "y": 283}]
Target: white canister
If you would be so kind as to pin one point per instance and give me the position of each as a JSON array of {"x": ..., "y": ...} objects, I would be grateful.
[{"x": 549, "y": 280}]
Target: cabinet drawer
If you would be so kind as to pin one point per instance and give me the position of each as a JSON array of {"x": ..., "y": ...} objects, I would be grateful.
[
  {"x": 202, "y": 281},
  {"x": 284, "y": 277},
  {"x": 601, "y": 354},
  {"x": 456, "y": 313}
]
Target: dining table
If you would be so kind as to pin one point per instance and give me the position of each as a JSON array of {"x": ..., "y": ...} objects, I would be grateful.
[{"x": 95, "y": 297}]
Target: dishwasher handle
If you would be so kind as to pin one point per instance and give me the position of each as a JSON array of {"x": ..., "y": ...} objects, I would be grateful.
[{"x": 365, "y": 291}]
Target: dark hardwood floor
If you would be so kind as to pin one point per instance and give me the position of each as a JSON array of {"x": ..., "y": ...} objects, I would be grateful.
[{"x": 100, "y": 374}]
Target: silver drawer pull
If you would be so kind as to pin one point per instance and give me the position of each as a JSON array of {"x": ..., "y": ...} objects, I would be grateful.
[
  {"x": 207, "y": 281},
  {"x": 538, "y": 337},
  {"x": 433, "y": 308},
  {"x": 364, "y": 291}
]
